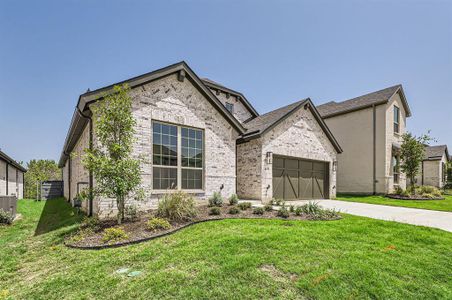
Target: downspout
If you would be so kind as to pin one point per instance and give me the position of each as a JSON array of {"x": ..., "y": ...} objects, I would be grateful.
[
  {"x": 374, "y": 149},
  {"x": 69, "y": 179},
  {"x": 7, "y": 192},
  {"x": 422, "y": 172},
  {"x": 90, "y": 178}
]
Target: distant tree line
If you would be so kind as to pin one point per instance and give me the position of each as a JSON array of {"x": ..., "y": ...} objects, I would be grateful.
[{"x": 39, "y": 170}]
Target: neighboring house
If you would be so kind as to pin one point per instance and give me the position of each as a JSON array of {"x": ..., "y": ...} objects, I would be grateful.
[
  {"x": 369, "y": 128},
  {"x": 434, "y": 166},
  {"x": 11, "y": 177},
  {"x": 199, "y": 136}
]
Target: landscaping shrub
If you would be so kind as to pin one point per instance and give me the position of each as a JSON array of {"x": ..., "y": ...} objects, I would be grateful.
[
  {"x": 114, "y": 235},
  {"x": 298, "y": 211},
  {"x": 291, "y": 208},
  {"x": 311, "y": 208},
  {"x": 131, "y": 213},
  {"x": 91, "y": 223},
  {"x": 244, "y": 205},
  {"x": 398, "y": 190},
  {"x": 405, "y": 193},
  {"x": 215, "y": 211},
  {"x": 6, "y": 217},
  {"x": 216, "y": 199},
  {"x": 177, "y": 206},
  {"x": 233, "y": 200},
  {"x": 325, "y": 214},
  {"x": 234, "y": 210},
  {"x": 427, "y": 189},
  {"x": 157, "y": 223},
  {"x": 258, "y": 211},
  {"x": 268, "y": 207},
  {"x": 283, "y": 212}
]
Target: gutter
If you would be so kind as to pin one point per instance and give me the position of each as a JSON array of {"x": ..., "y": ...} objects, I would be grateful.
[{"x": 374, "y": 154}]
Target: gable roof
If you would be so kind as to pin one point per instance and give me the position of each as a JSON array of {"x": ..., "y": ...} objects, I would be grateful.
[
  {"x": 215, "y": 85},
  {"x": 436, "y": 152},
  {"x": 332, "y": 109},
  {"x": 82, "y": 113},
  {"x": 264, "y": 123},
  {"x": 11, "y": 161}
]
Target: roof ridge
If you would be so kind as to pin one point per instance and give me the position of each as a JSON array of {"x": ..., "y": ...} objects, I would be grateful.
[{"x": 367, "y": 94}]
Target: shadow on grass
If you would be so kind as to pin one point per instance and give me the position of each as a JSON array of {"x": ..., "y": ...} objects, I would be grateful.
[{"x": 56, "y": 214}]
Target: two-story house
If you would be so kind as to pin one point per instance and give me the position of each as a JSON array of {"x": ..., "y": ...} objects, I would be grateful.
[{"x": 369, "y": 129}]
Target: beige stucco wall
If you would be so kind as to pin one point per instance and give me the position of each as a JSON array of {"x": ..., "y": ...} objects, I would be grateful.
[
  {"x": 15, "y": 181},
  {"x": 172, "y": 101},
  {"x": 354, "y": 132},
  {"x": 240, "y": 112},
  {"x": 298, "y": 136},
  {"x": 392, "y": 137}
]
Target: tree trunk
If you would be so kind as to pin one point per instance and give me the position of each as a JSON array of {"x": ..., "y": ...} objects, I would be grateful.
[{"x": 120, "y": 205}]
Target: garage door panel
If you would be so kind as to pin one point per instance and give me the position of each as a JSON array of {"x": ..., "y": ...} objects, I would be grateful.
[
  {"x": 299, "y": 179},
  {"x": 291, "y": 185},
  {"x": 278, "y": 184}
]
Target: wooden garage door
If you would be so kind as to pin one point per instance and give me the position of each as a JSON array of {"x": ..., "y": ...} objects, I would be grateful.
[{"x": 295, "y": 178}]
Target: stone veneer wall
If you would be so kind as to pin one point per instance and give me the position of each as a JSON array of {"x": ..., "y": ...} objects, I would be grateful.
[
  {"x": 172, "y": 101},
  {"x": 300, "y": 136},
  {"x": 249, "y": 169},
  {"x": 240, "y": 112},
  {"x": 78, "y": 173}
]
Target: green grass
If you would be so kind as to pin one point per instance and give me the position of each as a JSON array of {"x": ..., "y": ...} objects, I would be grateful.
[
  {"x": 241, "y": 259},
  {"x": 444, "y": 205}
]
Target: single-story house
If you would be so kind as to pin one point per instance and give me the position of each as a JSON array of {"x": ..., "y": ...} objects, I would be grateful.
[
  {"x": 199, "y": 136},
  {"x": 11, "y": 177},
  {"x": 434, "y": 166},
  {"x": 369, "y": 128}
]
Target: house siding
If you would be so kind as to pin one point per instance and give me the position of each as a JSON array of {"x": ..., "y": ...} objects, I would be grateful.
[
  {"x": 15, "y": 181},
  {"x": 171, "y": 101},
  {"x": 299, "y": 136},
  {"x": 240, "y": 112}
]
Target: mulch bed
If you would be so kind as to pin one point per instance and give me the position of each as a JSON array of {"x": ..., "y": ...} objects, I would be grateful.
[
  {"x": 414, "y": 197},
  {"x": 138, "y": 233}
]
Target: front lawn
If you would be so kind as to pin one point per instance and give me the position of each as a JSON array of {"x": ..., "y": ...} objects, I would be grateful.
[
  {"x": 444, "y": 205},
  {"x": 253, "y": 259}
]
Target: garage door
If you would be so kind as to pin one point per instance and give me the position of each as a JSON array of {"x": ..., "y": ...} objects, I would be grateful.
[{"x": 295, "y": 178}]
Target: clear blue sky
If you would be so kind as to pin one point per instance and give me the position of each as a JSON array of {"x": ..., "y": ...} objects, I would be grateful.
[{"x": 52, "y": 51}]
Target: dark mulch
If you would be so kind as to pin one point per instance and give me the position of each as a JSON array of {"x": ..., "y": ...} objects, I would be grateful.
[
  {"x": 137, "y": 232},
  {"x": 413, "y": 197}
]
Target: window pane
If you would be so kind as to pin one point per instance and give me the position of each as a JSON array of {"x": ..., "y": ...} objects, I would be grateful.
[
  {"x": 168, "y": 149},
  {"x": 191, "y": 179},
  {"x": 164, "y": 178}
]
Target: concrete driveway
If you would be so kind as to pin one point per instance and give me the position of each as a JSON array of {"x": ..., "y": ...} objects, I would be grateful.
[{"x": 423, "y": 217}]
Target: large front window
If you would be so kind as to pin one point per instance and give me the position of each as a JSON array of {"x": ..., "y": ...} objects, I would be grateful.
[{"x": 178, "y": 157}]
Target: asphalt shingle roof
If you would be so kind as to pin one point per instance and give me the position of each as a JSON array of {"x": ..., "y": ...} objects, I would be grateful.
[
  {"x": 262, "y": 122},
  {"x": 334, "y": 108},
  {"x": 435, "y": 152}
]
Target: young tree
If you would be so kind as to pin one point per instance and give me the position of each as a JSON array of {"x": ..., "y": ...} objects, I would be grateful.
[
  {"x": 116, "y": 172},
  {"x": 39, "y": 170},
  {"x": 411, "y": 154}
]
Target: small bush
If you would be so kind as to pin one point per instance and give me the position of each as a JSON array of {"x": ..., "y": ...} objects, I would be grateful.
[
  {"x": 114, "y": 235},
  {"x": 268, "y": 207},
  {"x": 405, "y": 193},
  {"x": 131, "y": 213},
  {"x": 258, "y": 211},
  {"x": 6, "y": 217},
  {"x": 311, "y": 208},
  {"x": 177, "y": 206},
  {"x": 279, "y": 202},
  {"x": 398, "y": 190},
  {"x": 234, "y": 210},
  {"x": 215, "y": 211},
  {"x": 233, "y": 200},
  {"x": 325, "y": 214},
  {"x": 428, "y": 196},
  {"x": 283, "y": 212},
  {"x": 92, "y": 223},
  {"x": 216, "y": 199},
  {"x": 298, "y": 211},
  {"x": 291, "y": 208},
  {"x": 427, "y": 189},
  {"x": 157, "y": 223},
  {"x": 244, "y": 205}
]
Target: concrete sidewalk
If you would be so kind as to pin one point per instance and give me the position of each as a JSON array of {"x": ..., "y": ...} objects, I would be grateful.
[{"x": 423, "y": 217}]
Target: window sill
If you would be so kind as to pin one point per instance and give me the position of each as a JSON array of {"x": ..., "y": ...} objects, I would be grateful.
[
  {"x": 397, "y": 134},
  {"x": 162, "y": 192}
]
